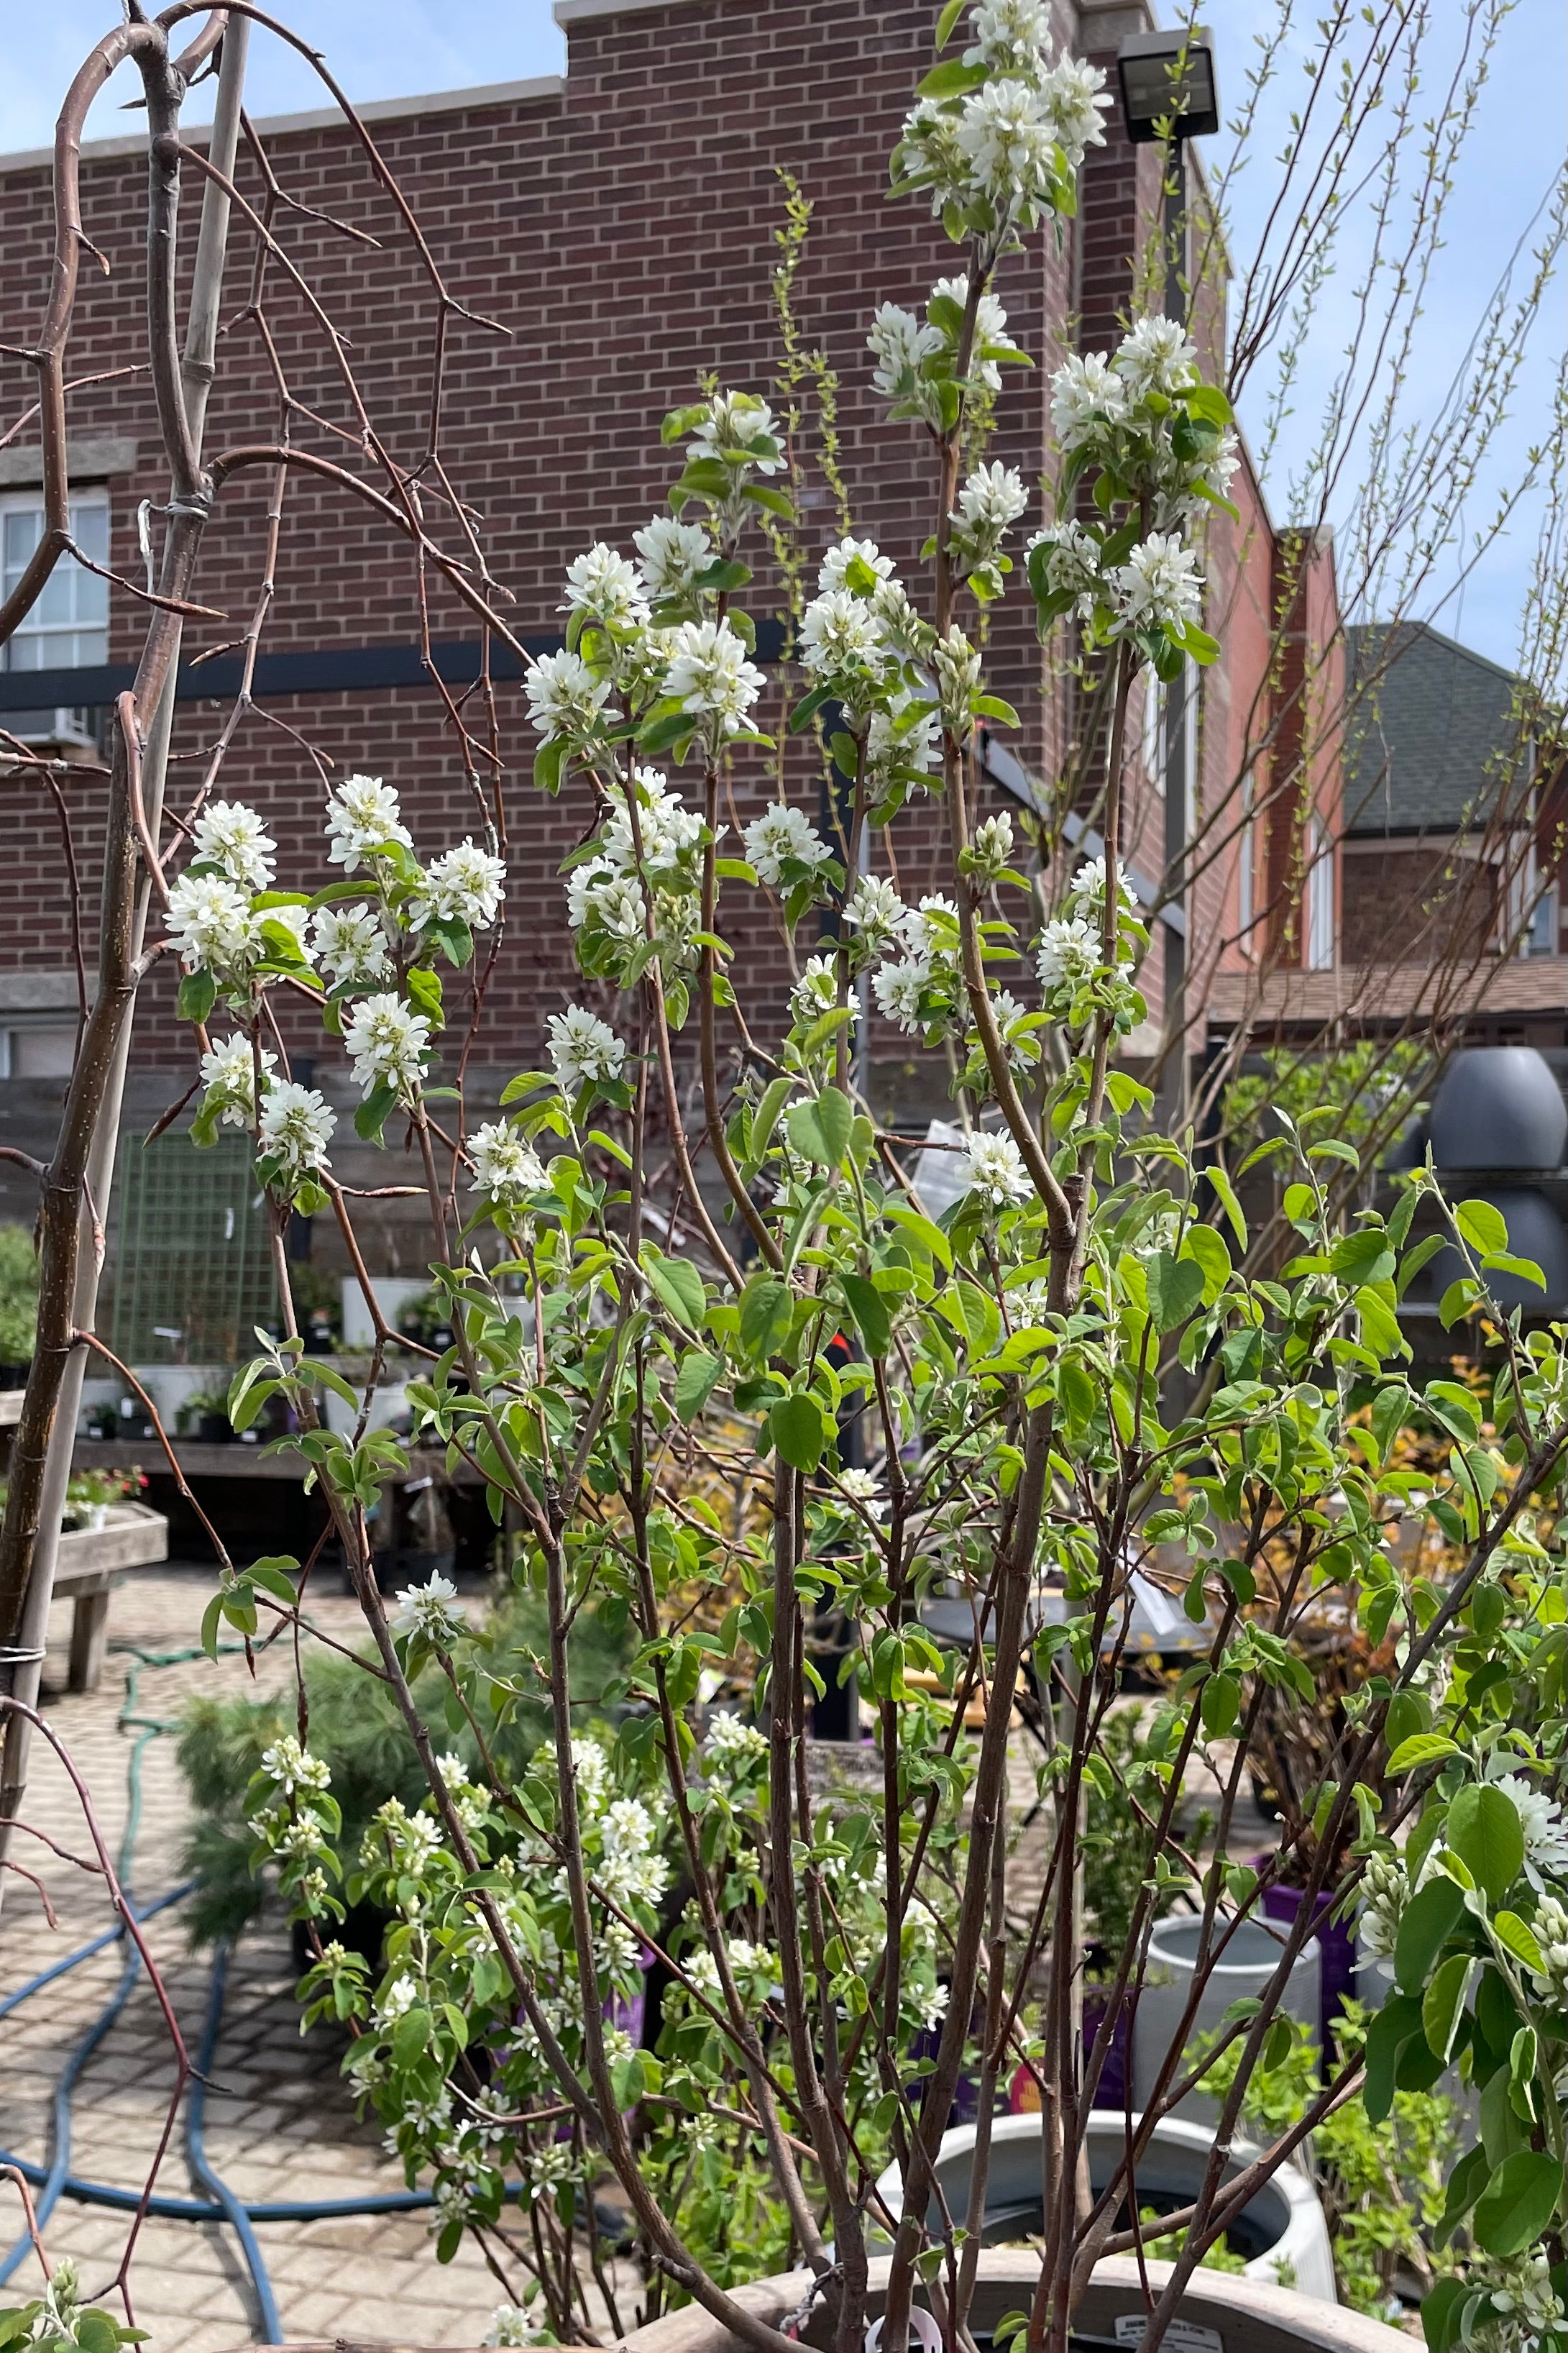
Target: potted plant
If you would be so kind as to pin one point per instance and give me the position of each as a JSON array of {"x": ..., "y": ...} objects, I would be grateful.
[
  {"x": 204, "y": 1415},
  {"x": 824, "y": 1401},
  {"x": 91, "y": 1495}
]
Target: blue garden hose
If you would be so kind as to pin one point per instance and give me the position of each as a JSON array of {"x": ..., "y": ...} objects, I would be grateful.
[{"x": 56, "y": 2180}]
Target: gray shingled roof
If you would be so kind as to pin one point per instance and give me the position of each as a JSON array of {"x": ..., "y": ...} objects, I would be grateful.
[{"x": 1433, "y": 735}]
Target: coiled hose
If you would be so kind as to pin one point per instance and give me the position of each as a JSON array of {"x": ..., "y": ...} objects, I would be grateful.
[{"x": 219, "y": 2204}]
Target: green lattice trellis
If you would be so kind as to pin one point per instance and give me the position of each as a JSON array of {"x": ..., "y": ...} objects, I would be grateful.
[{"x": 191, "y": 1269}]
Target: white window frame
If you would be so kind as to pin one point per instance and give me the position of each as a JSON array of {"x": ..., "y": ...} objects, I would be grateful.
[
  {"x": 1321, "y": 910},
  {"x": 61, "y": 723}
]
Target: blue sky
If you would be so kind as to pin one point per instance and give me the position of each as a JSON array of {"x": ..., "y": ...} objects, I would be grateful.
[{"x": 389, "y": 48}]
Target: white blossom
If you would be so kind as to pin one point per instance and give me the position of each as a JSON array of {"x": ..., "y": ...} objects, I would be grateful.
[
  {"x": 929, "y": 151},
  {"x": 996, "y": 1170},
  {"x": 211, "y": 924},
  {"x": 897, "y": 988},
  {"x": 591, "y": 1768},
  {"x": 1550, "y": 1927},
  {"x": 607, "y": 587},
  {"x": 363, "y": 816},
  {"x": 899, "y": 341},
  {"x": 815, "y": 991},
  {"x": 350, "y": 944},
  {"x": 234, "y": 837},
  {"x": 958, "y": 678},
  {"x": 430, "y": 1610},
  {"x": 584, "y": 1050},
  {"x": 1087, "y": 887},
  {"x": 1075, "y": 107},
  {"x": 860, "y": 1485},
  {"x": 889, "y": 745},
  {"x": 734, "y": 420},
  {"x": 841, "y": 631},
  {"x": 1009, "y": 142},
  {"x": 464, "y": 885},
  {"x": 710, "y": 676},
  {"x": 732, "y": 1743},
  {"x": 1385, "y": 1891},
  {"x": 1160, "y": 585},
  {"x": 673, "y": 553},
  {"x": 228, "y": 1074},
  {"x": 511, "y": 2325},
  {"x": 565, "y": 698},
  {"x": 293, "y": 1768},
  {"x": 781, "y": 836},
  {"x": 992, "y": 849},
  {"x": 1011, "y": 36},
  {"x": 1072, "y": 565},
  {"x": 1545, "y": 1835},
  {"x": 993, "y": 497},
  {"x": 397, "y": 2000},
  {"x": 296, "y": 1127},
  {"x": 667, "y": 828},
  {"x": 837, "y": 562},
  {"x": 990, "y": 326},
  {"x": 1069, "y": 952},
  {"x": 387, "y": 1040},
  {"x": 627, "y": 1827},
  {"x": 875, "y": 910},
  {"x": 1158, "y": 356},
  {"x": 1086, "y": 395},
  {"x": 505, "y": 1168}
]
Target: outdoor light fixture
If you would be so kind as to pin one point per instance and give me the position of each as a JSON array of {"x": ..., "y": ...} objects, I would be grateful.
[{"x": 1168, "y": 77}]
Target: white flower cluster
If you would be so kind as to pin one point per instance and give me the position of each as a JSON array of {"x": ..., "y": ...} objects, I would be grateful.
[
  {"x": 1385, "y": 1891},
  {"x": 293, "y": 1768},
  {"x": 1160, "y": 585},
  {"x": 228, "y": 1075},
  {"x": 607, "y": 587},
  {"x": 387, "y": 1041},
  {"x": 905, "y": 349},
  {"x": 505, "y": 1169},
  {"x": 1120, "y": 405},
  {"x": 566, "y": 698},
  {"x": 609, "y": 904},
  {"x": 958, "y": 678},
  {"x": 295, "y": 1125},
  {"x": 364, "y": 818},
  {"x": 783, "y": 848},
  {"x": 511, "y": 2325},
  {"x": 920, "y": 986},
  {"x": 1014, "y": 145},
  {"x": 430, "y": 1610},
  {"x": 815, "y": 991},
  {"x": 1551, "y": 1926},
  {"x": 1071, "y": 566},
  {"x": 731, "y": 1746},
  {"x": 996, "y": 1171},
  {"x": 710, "y": 676},
  {"x": 990, "y": 852},
  {"x": 584, "y": 1050},
  {"x": 1069, "y": 953},
  {"x": 231, "y": 837},
  {"x": 673, "y": 554},
  {"x": 1545, "y": 1833},
  {"x": 462, "y": 886},
  {"x": 349, "y": 943}
]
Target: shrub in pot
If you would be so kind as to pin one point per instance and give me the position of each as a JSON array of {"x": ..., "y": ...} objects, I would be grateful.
[{"x": 1078, "y": 1368}]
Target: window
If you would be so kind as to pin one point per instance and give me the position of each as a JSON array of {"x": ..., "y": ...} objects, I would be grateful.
[
  {"x": 42, "y": 1048},
  {"x": 68, "y": 628},
  {"x": 1320, "y": 901}
]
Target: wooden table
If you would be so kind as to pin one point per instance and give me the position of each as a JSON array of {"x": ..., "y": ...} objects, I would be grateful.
[{"x": 89, "y": 1563}]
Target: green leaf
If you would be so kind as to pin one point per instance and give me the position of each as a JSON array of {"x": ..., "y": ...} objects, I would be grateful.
[
  {"x": 1519, "y": 1938},
  {"x": 819, "y": 1131},
  {"x": 211, "y": 1620},
  {"x": 678, "y": 1284},
  {"x": 869, "y": 1310},
  {"x": 426, "y": 994},
  {"x": 1483, "y": 1225},
  {"x": 946, "y": 21},
  {"x": 1438, "y": 2309},
  {"x": 198, "y": 994},
  {"x": 1444, "y": 2000},
  {"x": 1484, "y": 1831},
  {"x": 1207, "y": 1250},
  {"x": 1421, "y": 1748},
  {"x": 1226, "y": 1192},
  {"x": 1175, "y": 1287},
  {"x": 764, "y": 1315},
  {"x": 1395, "y": 2024},
  {"x": 1518, "y": 2208},
  {"x": 1220, "y": 1705},
  {"x": 1430, "y": 1918},
  {"x": 1363, "y": 1257},
  {"x": 695, "y": 1383},
  {"x": 796, "y": 1425},
  {"x": 410, "y": 2036},
  {"x": 374, "y": 1112},
  {"x": 950, "y": 78},
  {"x": 765, "y": 1118}
]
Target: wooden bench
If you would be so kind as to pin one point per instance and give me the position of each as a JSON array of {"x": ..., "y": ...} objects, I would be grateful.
[{"x": 90, "y": 1561}]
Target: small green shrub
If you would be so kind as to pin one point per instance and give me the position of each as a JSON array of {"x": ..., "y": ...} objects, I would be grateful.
[{"x": 18, "y": 1294}]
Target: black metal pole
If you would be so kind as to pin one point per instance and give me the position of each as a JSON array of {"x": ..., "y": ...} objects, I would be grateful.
[{"x": 1178, "y": 784}]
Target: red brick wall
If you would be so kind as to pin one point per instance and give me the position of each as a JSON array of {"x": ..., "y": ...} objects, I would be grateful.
[{"x": 622, "y": 228}]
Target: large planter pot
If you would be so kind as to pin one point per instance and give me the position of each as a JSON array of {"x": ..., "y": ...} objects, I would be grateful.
[
  {"x": 1220, "y": 2312},
  {"x": 1251, "y": 1960},
  {"x": 1281, "y": 2231}
]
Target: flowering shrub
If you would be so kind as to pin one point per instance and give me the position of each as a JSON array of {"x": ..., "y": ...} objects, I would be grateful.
[{"x": 1070, "y": 1375}]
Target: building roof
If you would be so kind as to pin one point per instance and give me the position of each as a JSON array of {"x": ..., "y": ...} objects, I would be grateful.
[{"x": 1434, "y": 734}]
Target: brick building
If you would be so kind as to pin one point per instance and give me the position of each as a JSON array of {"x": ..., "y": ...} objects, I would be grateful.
[{"x": 619, "y": 223}]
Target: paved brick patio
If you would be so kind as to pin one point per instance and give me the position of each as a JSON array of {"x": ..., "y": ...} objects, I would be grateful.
[{"x": 281, "y": 2123}]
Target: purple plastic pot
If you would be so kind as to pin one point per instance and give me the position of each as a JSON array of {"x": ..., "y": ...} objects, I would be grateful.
[
  {"x": 1110, "y": 2091},
  {"x": 1336, "y": 1945}
]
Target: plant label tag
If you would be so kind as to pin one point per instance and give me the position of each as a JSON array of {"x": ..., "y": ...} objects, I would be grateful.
[{"x": 1180, "y": 2337}]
